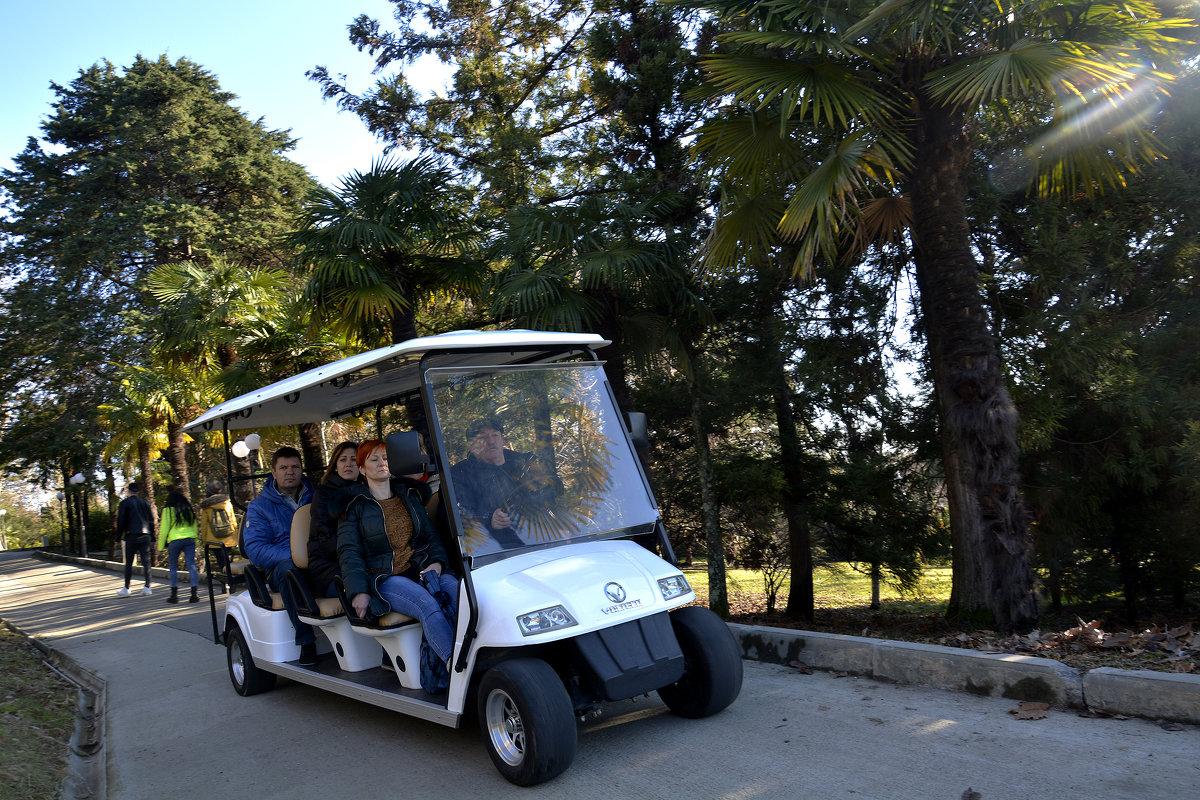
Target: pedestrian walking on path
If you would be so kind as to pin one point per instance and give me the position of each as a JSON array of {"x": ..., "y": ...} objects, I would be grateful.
[
  {"x": 135, "y": 526},
  {"x": 177, "y": 533}
]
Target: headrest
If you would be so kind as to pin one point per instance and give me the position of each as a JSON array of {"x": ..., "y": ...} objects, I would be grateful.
[{"x": 404, "y": 453}]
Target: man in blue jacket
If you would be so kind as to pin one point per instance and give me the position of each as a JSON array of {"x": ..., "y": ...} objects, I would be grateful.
[{"x": 268, "y": 536}]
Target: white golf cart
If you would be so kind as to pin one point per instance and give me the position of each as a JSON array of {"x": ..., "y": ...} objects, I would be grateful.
[{"x": 567, "y": 608}]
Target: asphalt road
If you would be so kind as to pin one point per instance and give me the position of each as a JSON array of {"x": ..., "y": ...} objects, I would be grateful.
[{"x": 176, "y": 727}]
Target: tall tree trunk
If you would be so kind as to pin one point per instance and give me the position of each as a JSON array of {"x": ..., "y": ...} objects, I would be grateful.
[
  {"x": 147, "y": 468},
  {"x": 718, "y": 597},
  {"x": 800, "y": 602},
  {"x": 609, "y": 326},
  {"x": 992, "y": 578},
  {"x": 177, "y": 458},
  {"x": 110, "y": 484},
  {"x": 243, "y": 489},
  {"x": 314, "y": 453},
  {"x": 404, "y": 327}
]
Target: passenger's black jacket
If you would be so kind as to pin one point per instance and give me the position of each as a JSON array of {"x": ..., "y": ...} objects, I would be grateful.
[
  {"x": 323, "y": 564},
  {"x": 364, "y": 550}
]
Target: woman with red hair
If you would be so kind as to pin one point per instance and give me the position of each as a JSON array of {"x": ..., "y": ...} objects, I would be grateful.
[{"x": 386, "y": 542}]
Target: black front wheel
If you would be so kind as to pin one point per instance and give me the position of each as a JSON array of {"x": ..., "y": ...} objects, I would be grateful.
[
  {"x": 247, "y": 678},
  {"x": 712, "y": 673},
  {"x": 527, "y": 721}
]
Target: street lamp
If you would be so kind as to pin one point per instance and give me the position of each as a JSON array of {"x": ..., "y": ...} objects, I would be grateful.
[
  {"x": 77, "y": 480},
  {"x": 62, "y": 520},
  {"x": 3, "y": 529}
]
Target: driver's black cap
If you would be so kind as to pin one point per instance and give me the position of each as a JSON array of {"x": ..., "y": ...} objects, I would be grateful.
[{"x": 478, "y": 425}]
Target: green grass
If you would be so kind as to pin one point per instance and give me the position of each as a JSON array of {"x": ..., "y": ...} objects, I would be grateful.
[
  {"x": 37, "y": 716},
  {"x": 834, "y": 586}
]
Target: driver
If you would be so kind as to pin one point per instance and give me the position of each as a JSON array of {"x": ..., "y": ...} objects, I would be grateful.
[{"x": 495, "y": 485}]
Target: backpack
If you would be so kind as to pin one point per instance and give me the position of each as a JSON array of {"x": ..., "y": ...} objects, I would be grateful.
[
  {"x": 435, "y": 678},
  {"x": 221, "y": 523}
]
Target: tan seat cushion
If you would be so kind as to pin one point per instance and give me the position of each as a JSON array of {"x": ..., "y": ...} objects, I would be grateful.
[{"x": 329, "y": 607}]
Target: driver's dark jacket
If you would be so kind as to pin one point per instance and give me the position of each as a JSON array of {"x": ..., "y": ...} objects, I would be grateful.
[
  {"x": 363, "y": 547},
  {"x": 518, "y": 483}
]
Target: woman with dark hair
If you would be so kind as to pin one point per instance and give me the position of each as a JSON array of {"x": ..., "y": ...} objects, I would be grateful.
[
  {"x": 177, "y": 530},
  {"x": 387, "y": 543},
  {"x": 323, "y": 564}
]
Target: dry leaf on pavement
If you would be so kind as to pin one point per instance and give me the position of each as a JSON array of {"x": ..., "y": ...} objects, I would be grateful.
[{"x": 1027, "y": 710}]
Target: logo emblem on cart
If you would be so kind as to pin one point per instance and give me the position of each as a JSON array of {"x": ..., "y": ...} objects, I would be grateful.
[{"x": 615, "y": 592}]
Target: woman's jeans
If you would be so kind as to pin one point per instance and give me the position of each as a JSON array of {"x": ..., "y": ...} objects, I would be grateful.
[
  {"x": 188, "y": 548},
  {"x": 139, "y": 546},
  {"x": 409, "y": 597}
]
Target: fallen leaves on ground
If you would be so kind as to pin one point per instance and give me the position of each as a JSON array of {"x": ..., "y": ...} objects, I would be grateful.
[
  {"x": 1031, "y": 710},
  {"x": 1176, "y": 649},
  {"x": 1083, "y": 645}
]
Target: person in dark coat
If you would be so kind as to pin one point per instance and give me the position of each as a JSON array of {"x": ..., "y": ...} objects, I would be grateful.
[
  {"x": 135, "y": 525},
  {"x": 386, "y": 542},
  {"x": 323, "y": 565},
  {"x": 496, "y": 486}
]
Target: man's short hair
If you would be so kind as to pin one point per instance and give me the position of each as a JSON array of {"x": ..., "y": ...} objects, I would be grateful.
[
  {"x": 214, "y": 486},
  {"x": 134, "y": 487},
  {"x": 284, "y": 452},
  {"x": 476, "y": 427}
]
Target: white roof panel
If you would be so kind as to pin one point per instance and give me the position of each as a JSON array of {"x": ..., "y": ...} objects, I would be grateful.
[{"x": 361, "y": 380}]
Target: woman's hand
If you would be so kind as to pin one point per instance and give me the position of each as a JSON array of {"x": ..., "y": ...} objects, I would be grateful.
[
  {"x": 361, "y": 602},
  {"x": 435, "y": 568}
]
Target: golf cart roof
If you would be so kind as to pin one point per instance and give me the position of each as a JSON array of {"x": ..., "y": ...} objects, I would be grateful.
[{"x": 360, "y": 381}]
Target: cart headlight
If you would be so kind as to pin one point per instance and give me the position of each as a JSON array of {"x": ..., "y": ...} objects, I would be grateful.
[
  {"x": 673, "y": 587},
  {"x": 547, "y": 619}
]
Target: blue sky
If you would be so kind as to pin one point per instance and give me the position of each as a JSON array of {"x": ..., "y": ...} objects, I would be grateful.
[{"x": 258, "y": 50}]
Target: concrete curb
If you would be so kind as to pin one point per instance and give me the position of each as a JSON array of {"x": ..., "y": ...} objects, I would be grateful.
[
  {"x": 86, "y": 775},
  {"x": 1141, "y": 693}
]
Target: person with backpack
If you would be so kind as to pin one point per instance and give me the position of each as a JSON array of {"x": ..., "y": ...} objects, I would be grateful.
[
  {"x": 216, "y": 520},
  {"x": 177, "y": 533},
  {"x": 135, "y": 526}
]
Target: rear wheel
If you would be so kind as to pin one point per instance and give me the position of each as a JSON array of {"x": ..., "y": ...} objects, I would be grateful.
[
  {"x": 712, "y": 674},
  {"x": 527, "y": 721},
  {"x": 247, "y": 678}
]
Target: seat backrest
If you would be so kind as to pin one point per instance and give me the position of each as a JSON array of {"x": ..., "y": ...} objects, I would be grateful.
[
  {"x": 301, "y": 521},
  {"x": 404, "y": 453}
]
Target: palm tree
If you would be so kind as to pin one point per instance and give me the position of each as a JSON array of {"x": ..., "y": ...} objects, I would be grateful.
[
  {"x": 275, "y": 346},
  {"x": 201, "y": 307},
  {"x": 136, "y": 427},
  {"x": 892, "y": 89},
  {"x": 382, "y": 243}
]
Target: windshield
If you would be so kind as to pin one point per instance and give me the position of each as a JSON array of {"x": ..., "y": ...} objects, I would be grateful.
[{"x": 536, "y": 455}]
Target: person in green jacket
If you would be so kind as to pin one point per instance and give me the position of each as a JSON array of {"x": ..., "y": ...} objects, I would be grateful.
[{"x": 177, "y": 533}]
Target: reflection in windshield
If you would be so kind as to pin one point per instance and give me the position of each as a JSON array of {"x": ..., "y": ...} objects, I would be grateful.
[{"x": 537, "y": 455}]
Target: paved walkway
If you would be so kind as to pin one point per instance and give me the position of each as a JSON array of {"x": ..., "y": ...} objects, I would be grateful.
[{"x": 175, "y": 727}]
